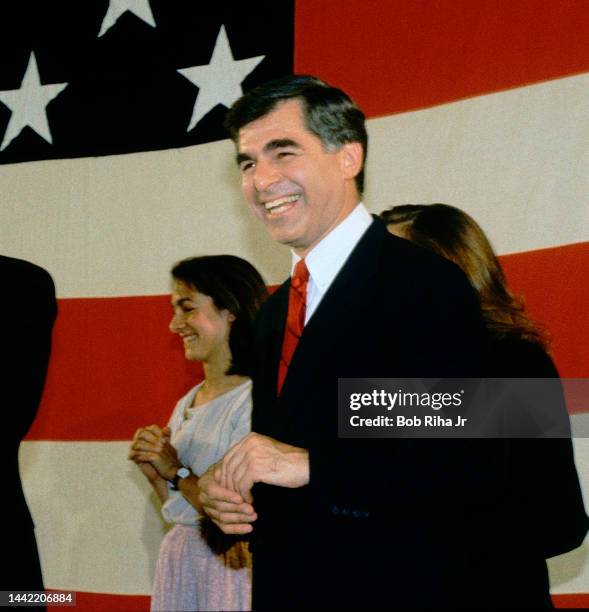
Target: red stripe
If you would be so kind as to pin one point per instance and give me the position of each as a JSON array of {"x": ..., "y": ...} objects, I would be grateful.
[
  {"x": 91, "y": 602},
  {"x": 397, "y": 55},
  {"x": 555, "y": 285},
  {"x": 115, "y": 366},
  {"x": 579, "y": 601}
]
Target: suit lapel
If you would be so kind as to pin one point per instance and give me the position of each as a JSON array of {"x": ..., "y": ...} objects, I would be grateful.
[{"x": 347, "y": 296}]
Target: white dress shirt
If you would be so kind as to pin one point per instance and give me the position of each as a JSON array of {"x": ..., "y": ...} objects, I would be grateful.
[{"x": 327, "y": 258}]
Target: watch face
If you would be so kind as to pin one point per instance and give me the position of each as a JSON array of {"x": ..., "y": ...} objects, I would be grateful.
[{"x": 183, "y": 472}]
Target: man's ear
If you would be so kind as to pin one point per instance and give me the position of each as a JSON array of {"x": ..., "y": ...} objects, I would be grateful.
[{"x": 352, "y": 158}]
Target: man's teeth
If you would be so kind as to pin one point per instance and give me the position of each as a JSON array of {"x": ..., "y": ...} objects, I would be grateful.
[{"x": 277, "y": 206}]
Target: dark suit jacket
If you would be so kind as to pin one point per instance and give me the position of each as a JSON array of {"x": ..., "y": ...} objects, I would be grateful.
[
  {"x": 383, "y": 523},
  {"x": 547, "y": 495},
  {"x": 27, "y": 311}
]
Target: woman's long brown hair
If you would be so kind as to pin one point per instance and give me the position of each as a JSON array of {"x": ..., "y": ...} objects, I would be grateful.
[{"x": 453, "y": 234}]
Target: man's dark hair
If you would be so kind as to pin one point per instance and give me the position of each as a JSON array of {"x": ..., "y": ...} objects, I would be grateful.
[
  {"x": 329, "y": 112},
  {"x": 235, "y": 285}
]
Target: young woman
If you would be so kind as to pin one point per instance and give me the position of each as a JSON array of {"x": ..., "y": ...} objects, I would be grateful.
[
  {"x": 544, "y": 510},
  {"x": 215, "y": 300}
]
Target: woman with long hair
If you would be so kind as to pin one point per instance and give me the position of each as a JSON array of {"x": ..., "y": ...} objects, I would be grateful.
[
  {"x": 545, "y": 516},
  {"x": 215, "y": 300},
  {"x": 455, "y": 235}
]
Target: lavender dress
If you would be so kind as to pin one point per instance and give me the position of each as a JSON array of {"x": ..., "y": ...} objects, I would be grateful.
[{"x": 190, "y": 575}]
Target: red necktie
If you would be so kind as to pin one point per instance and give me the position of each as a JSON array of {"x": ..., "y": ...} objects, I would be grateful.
[{"x": 295, "y": 319}]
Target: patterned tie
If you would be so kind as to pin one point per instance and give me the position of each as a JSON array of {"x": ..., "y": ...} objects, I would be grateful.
[{"x": 295, "y": 319}]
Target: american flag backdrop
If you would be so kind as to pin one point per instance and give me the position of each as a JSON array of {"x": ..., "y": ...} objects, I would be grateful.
[{"x": 113, "y": 166}]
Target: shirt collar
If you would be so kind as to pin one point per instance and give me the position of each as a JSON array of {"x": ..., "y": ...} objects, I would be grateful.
[{"x": 327, "y": 258}]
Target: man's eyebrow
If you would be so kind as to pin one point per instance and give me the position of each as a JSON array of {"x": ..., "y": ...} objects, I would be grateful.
[
  {"x": 280, "y": 143},
  {"x": 272, "y": 145},
  {"x": 242, "y": 157}
]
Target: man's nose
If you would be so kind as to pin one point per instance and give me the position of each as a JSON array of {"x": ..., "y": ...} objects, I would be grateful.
[{"x": 265, "y": 175}]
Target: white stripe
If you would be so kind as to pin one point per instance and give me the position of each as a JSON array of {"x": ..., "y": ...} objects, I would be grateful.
[
  {"x": 115, "y": 225},
  {"x": 517, "y": 161},
  {"x": 99, "y": 528},
  {"x": 570, "y": 573},
  {"x": 97, "y": 522}
]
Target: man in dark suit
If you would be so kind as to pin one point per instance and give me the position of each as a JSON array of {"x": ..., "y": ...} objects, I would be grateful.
[
  {"x": 352, "y": 523},
  {"x": 27, "y": 310}
]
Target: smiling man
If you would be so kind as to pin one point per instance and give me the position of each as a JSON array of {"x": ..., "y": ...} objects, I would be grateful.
[
  {"x": 299, "y": 187},
  {"x": 338, "y": 523}
]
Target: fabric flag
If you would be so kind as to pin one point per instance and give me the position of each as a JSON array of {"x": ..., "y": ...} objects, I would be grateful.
[
  {"x": 103, "y": 78},
  {"x": 115, "y": 166}
]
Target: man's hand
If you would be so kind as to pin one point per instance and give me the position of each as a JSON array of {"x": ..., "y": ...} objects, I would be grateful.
[
  {"x": 152, "y": 445},
  {"x": 258, "y": 458},
  {"x": 225, "y": 507}
]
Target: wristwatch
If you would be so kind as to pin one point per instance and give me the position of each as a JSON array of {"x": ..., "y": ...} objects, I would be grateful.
[{"x": 181, "y": 473}]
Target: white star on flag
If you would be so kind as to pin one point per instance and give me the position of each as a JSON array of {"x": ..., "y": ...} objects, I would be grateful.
[
  {"x": 219, "y": 81},
  {"x": 140, "y": 8},
  {"x": 28, "y": 104}
]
